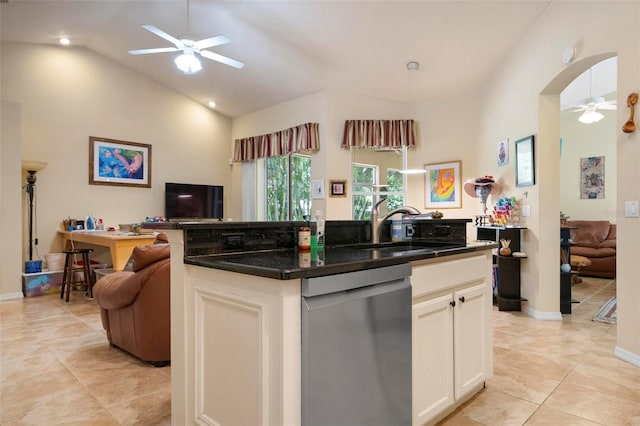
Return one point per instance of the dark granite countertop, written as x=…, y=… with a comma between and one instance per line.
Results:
x=287, y=264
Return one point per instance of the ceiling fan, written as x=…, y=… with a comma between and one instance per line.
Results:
x=188, y=62
x=590, y=106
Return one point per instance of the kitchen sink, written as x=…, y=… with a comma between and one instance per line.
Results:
x=404, y=248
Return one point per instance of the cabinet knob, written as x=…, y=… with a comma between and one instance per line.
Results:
x=461, y=299
x=453, y=303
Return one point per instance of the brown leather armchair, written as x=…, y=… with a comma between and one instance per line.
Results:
x=134, y=305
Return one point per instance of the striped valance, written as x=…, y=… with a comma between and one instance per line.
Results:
x=305, y=137
x=379, y=134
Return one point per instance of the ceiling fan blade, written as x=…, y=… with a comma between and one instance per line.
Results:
x=158, y=50
x=607, y=107
x=164, y=35
x=220, y=58
x=210, y=42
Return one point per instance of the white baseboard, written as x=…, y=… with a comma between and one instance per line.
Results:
x=625, y=355
x=547, y=316
x=11, y=296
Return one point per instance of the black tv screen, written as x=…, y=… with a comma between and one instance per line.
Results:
x=189, y=201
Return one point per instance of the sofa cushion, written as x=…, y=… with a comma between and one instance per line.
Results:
x=591, y=252
x=590, y=233
x=146, y=255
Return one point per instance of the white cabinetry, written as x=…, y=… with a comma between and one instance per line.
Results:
x=452, y=351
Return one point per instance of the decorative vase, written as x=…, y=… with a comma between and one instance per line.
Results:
x=565, y=267
x=505, y=250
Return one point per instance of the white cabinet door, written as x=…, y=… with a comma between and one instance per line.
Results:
x=432, y=349
x=470, y=318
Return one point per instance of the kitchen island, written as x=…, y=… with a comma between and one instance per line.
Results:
x=236, y=326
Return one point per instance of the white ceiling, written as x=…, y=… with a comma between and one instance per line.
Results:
x=291, y=49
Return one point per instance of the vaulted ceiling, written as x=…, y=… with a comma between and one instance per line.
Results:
x=291, y=49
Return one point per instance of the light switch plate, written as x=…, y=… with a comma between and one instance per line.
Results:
x=526, y=210
x=630, y=209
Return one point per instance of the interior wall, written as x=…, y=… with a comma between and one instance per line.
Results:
x=521, y=100
x=579, y=141
x=69, y=94
x=10, y=194
x=330, y=109
x=449, y=132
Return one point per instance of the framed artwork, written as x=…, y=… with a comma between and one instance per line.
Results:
x=317, y=189
x=525, y=162
x=592, y=178
x=338, y=188
x=119, y=163
x=443, y=189
x=503, y=152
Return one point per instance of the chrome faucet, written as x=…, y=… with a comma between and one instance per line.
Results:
x=376, y=221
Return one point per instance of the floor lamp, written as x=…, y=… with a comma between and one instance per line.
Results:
x=31, y=167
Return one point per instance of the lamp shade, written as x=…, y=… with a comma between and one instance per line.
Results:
x=33, y=165
x=188, y=63
x=590, y=116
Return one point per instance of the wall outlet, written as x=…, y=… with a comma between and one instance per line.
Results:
x=630, y=209
x=526, y=210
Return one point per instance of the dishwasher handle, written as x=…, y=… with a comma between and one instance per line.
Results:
x=324, y=300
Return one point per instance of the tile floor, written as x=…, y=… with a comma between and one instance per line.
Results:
x=557, y=372
x=56, y=367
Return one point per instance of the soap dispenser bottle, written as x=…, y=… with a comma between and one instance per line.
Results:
x=319, y=229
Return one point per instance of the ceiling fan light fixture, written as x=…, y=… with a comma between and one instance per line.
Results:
x=590, y=116
x=413, y=171
x=188, y=63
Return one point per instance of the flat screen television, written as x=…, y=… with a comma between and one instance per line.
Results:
x=189, y=201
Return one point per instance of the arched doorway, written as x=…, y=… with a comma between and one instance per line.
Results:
x=549, y=107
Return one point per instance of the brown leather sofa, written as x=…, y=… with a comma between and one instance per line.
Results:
x=595, y=240
x=134, y=305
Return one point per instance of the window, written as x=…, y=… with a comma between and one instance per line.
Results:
x=367, y=190
x=287, y=187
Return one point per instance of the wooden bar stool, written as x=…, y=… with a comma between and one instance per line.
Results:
x=69, y=268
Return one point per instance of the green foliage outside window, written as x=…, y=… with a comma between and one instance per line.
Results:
x=364, y=177
x=288, y=181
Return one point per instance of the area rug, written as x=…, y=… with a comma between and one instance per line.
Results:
x=607, y=313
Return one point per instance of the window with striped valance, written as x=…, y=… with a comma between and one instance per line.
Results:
x=378, y=134
x=305, y=137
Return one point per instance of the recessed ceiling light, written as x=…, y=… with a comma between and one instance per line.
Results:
x=65, y=41
x=212, y=104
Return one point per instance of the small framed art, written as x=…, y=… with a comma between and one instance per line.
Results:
x=338, y=188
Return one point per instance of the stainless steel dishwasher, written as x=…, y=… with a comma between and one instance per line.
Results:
x=356, y=348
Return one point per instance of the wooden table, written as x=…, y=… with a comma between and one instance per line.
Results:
x=120, y=244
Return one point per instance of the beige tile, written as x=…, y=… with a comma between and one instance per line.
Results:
x=622, y=382
x=152, y=408
x=496, y=408
x=595, y=406
x=529, y=386
x=68, y=405
x=23, y=367
x=547, y=417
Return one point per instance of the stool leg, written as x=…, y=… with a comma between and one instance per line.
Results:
x=69, y=277
x=87, y=274
x=64, y=277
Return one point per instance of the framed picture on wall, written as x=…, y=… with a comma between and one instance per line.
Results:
x=338, y=188
x=525, y=162
x=119, y=163
x=443, y=189
x=503, y=152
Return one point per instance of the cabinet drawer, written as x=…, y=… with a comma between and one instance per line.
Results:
x=431, y=277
